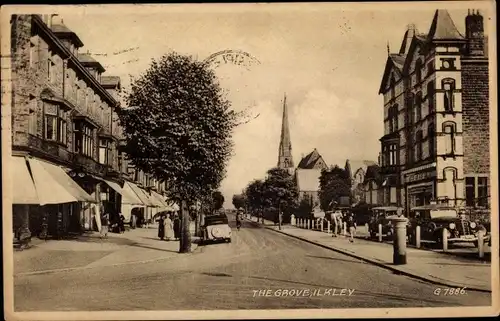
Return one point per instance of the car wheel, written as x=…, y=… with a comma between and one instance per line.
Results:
x=373, y=234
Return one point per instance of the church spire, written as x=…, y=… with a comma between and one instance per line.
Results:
x=285, y=160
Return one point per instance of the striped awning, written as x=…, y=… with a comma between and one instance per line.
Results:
x=23, y=187
x=54, y=186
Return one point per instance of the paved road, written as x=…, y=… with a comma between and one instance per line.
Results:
x=224, y=276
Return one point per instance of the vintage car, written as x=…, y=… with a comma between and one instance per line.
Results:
x=432, y=219
x=381, y=215
x=216, y=228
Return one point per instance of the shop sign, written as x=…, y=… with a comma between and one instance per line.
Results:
x=414, y=177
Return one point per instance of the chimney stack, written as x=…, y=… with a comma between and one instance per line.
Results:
x=474, y=31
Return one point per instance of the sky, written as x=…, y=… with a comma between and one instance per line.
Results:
x=329, y=61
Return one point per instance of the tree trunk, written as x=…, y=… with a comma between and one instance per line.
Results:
x=185, y=237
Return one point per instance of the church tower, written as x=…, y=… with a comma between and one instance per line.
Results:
x=285, y=160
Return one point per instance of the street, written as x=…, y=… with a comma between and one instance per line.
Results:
x=229, y=276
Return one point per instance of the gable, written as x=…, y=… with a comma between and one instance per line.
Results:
x=390, y=71
x=417, y=50
x=308, y=180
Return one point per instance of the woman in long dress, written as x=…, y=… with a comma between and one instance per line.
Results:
x=177, y=227
x=161, y=228
x=169, y=228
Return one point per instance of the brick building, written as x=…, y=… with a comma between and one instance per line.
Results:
x=436, y=116
x=66, y=133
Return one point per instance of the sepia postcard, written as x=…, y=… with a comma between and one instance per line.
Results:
x=250, y=161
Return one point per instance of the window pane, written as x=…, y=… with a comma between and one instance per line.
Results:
x=469, y=195
x=50, y=127
x=102, y=155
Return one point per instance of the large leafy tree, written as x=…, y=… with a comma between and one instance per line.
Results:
x=305, y=207
x=280, y=193
x=178, y=127
x=335, y=184
x=239, y=201
x=217, y=200
x=254, y=195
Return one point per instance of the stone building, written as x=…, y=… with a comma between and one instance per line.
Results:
x=435, y=146
x=65, y=132
x=357, y=171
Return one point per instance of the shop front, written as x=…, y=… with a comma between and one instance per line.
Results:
x=420, y=187
x=44, y=198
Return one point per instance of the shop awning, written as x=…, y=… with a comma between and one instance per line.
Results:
x=142, y=195
x=115, y=186
x=54, y=186
x=23, y=187
x=129, y=196
x=163, y=205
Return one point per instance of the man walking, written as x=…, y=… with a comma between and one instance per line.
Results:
x=351, y=225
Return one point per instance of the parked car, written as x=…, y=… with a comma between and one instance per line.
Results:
x=216, y=228
x=432, y=219
x=381, y=215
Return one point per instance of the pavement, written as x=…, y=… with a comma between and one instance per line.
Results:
x=429, y=266
x=139, y=245
x=259, y=269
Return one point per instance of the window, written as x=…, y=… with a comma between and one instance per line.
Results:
x=418, y=106
x=482, y=191
x=84, y=139
x=418, y=71
x=104, y=151
x=51, y=70
x=32, y=116
x=418, y=149
x=393, y=87
x=409, y=106
x=476, y=191
x=430, y=96
x=55, y=123
x=470, y=191
x=449, y=131
x=393, y=118
x=393, y=150
x=448, y=86
x=431, y=139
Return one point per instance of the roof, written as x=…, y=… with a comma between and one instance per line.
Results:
x=308, y=179
x=87, y=60
x=393, y=60
x=373, y=173
x=110, y=81
x=355, y=165
x=61, y=31
x=443, y=27
x=308, y=161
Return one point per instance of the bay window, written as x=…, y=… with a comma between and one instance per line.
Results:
x=55, y=123
x=393, y=150
x=84, y=139
x=104, y=151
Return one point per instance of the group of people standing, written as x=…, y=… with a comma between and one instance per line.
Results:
x=169, y=226
x=337, y=219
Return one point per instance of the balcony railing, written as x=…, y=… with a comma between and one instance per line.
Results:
x=59, y=153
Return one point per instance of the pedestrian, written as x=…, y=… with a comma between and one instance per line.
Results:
x=161, y=227
x=177, y=227
x=336, y=222
x=122, y=223
x=104, y=225
x=351, y=224
x=168, y=227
